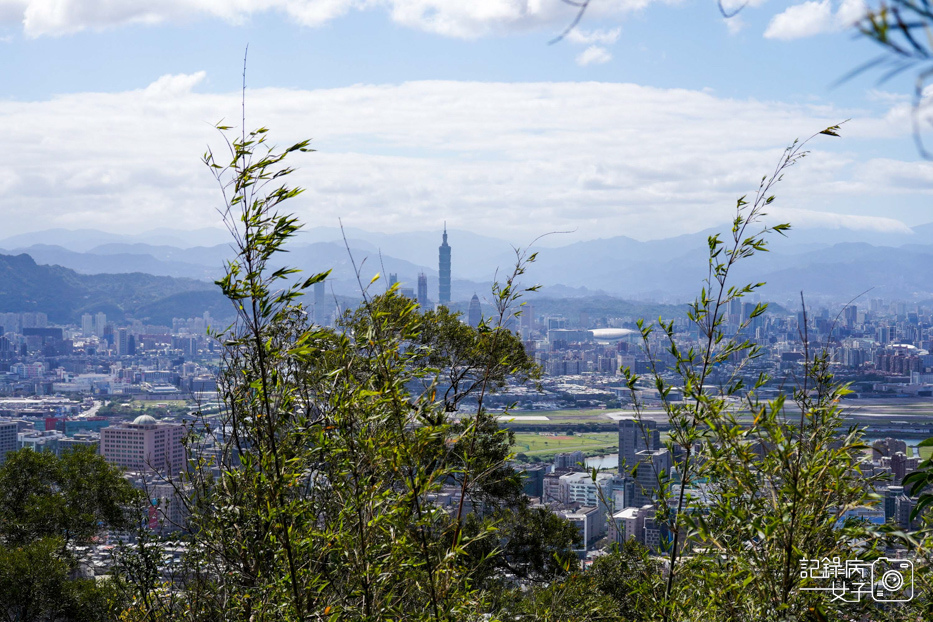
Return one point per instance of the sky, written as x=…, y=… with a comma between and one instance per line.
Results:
x=647, y=120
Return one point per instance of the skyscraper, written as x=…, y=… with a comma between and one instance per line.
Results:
x=423, y=290
x=636, y=436
x=8, y=438
x=528, y=318
x=652, y=464
x=87, y=324
x=320, y=298
x=443, y=269
x=475, y=315
x=123, y=342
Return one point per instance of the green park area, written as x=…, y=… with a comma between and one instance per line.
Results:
x=543, y=445
x=134, y=408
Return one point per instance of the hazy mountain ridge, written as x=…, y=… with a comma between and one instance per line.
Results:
x=827, y=264
x=64, y=295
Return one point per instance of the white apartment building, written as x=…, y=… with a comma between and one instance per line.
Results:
x=144, y=446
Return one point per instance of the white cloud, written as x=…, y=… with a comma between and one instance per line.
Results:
x=887, y=97
x=734, y=6
x=810, y=219
x=517, y=159
x=594, y=55
x=466, y=19
x=801, y=20
x=849, y=12
x=813, y=18
x=734, y=24
x=178, y=84
x=455, y=18
x=58, y=17
x=589, y=37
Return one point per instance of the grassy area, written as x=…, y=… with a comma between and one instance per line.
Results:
x=543, y=444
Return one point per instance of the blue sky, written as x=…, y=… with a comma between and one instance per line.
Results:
x=647, y=121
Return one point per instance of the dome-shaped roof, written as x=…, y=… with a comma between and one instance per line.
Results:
x=611, y=334
x=144, y=420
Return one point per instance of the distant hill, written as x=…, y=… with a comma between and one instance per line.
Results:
x=64, y=295
x=830, y=265
x=82, y=240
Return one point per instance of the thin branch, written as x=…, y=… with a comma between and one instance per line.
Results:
x=576, y=20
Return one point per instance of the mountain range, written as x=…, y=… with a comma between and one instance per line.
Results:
x=64, y=295
x=828, y=265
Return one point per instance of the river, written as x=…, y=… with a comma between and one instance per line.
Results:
x=610, y=461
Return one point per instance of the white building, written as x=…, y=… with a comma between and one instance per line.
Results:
x=144, y=445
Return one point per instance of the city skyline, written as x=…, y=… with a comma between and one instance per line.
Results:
x=456, y=309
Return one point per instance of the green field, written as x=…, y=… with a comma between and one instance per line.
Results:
x=543, y=444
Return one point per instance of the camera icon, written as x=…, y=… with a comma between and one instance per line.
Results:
x=892, y=580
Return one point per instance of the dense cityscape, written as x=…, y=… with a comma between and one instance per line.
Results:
x=466, y=311
x=130, y=392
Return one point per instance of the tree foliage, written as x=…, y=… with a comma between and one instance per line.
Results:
x=48, y=505
x=319, y=491
x=69, y=497
x=760, y=484
x=347, y=478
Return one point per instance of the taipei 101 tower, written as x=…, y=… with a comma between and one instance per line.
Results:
x=443, y=271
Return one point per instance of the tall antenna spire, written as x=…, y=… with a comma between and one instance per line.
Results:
x=443, y=271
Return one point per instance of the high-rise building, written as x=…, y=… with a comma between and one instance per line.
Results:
x=320, y=296
x=423, y=290
x=653, y=467
x=475, y=315
x=443, y=270
x=87, y=325
x=568, y=460
x=144, y=446
x=899, y=466
x=8, y=439
x=528, y=317
x=890, y=502
x=636, y=436
x=123, y=336
x=100, y=321
x=850, y=314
